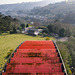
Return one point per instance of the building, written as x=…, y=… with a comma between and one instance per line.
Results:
x=33, y=31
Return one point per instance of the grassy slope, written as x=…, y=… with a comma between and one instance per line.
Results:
x=8, y=42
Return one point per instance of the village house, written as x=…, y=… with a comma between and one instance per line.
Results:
x=33, y=31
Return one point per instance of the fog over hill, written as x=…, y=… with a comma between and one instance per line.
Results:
x=6, y=8
x=63, y=11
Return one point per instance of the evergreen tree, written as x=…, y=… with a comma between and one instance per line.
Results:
x=62, y=32
x=22, y=25
x=50, y=28
x=27, y=25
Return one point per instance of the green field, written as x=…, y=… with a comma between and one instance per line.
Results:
x=8, y=42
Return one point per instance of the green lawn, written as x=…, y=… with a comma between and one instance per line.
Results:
x=8, y=42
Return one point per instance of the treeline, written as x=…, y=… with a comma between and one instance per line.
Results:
x=7, y=23
x=11, y=25
x=61, y=29
x=67, y=50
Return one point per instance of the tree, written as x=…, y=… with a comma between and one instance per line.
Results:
x=13, y=31
x=14, y=19
x=50, y=28
x=56, y=21
x=62, y=32
x=7, y=23
x=27, y=25
x=22, y=25
x=68, y=32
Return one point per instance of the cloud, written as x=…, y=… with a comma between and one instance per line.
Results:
x=19, y=1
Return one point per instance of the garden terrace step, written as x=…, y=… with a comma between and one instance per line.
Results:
x=43, y=42
x=35, y=58
x=36, y=47
x=60, y=73
x=33, y=68
x=37, y=44
x=33, y=54
x=35, y=50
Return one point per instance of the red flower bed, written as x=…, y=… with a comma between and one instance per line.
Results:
x=35, y=58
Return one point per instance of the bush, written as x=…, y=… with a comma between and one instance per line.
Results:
x=45, y=31
x=13, y=31
x=9, y=53
x=44, y=34
x=11, y=50
x=47, y=38
x=65, y=51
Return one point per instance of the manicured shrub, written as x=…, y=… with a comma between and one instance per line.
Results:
x=47, y=38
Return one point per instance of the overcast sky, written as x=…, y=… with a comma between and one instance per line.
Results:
x=20, y=1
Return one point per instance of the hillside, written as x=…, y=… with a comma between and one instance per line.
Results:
x=42, y=10
x=14, y=9
x=57, y=11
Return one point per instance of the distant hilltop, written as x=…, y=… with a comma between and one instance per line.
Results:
x=25, y=6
